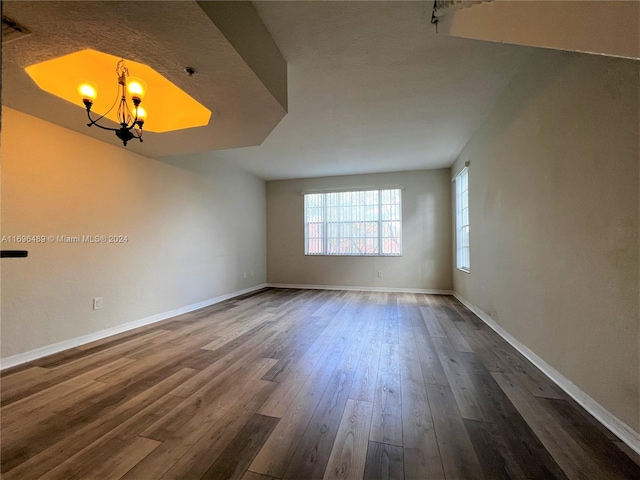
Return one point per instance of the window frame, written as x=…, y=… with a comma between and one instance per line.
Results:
x=463, y=262
x=324, y=224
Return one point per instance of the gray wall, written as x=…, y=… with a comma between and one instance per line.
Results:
x=191, y=236
x=554, y=221
x=426, y=243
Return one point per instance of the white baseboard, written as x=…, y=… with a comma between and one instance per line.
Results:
x=360, y=289
x=614, y=424
x=25, y=357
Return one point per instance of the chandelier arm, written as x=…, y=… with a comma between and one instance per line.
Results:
x=134, y=125
x=137, y=132
x=94, y=122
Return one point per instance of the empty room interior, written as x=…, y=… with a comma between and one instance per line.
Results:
x=305, y=240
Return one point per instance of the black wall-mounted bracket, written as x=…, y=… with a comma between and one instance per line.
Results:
x=13, y=253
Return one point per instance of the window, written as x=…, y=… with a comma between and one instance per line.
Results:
x=367, y=222
x=462, y=220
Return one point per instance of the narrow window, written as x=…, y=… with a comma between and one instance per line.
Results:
x=462, y=220
x=360, y=223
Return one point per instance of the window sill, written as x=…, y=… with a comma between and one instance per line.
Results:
x=464, y=270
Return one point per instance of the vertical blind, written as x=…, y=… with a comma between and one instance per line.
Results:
x=365, y=222
x=462, y=220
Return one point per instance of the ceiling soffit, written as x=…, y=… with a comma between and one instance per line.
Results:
x=247, y=100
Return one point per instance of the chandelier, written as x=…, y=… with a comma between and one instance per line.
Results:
x=131, y=118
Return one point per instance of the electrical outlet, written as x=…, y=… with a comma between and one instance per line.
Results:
x=380, y=274
x=244, y=275
x=97, y=303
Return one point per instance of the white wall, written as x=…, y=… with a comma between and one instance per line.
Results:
x=426, y=243
x=190, y=235
x=603, y=27
x=554, y=210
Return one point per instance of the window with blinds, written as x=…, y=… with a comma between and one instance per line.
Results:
x=367, y=222
x=462, y=220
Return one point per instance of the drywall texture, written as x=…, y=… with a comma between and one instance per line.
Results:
x=553, y=191
x=242, y=27
x=601, y=27
x=190, y=237
x=426, y=242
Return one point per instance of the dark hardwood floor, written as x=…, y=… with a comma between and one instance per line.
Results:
x=301, y=384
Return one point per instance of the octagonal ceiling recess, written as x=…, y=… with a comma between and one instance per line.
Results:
x=246, y=99
x=60, y=76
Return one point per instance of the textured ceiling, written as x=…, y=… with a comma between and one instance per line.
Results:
x=372, y=88
x=168, y=36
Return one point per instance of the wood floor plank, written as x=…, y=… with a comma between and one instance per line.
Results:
x=510, y=434
x=364, y=383
x=98, y=455
x=234, y=460
x=450, y=328
x=85, y=351
x=386, y=426
x=256, y=476
x=290, y=386
x=180, y=441
x=384, y=462
x=573, y=460
x=274, y=457
x=301, y=384
x=635, y=457
x=215, y=392
x=69, y=370
x=407, y=341
x=526, y=372
x=491, y=361
x=421, y=454
x=259, y=322
x=390, y=332
x=21, y=377
x=419, y=464
x=459, y=458
x=435, y=329
x=432, y=370
x=221, y=361
x=494, y=465
x=459, y=381
x=101, y=402
x=199, y=458
x=113, y=458
x=37, y=407
x=589, y=437
x=34, y=458
x=331, y=306
x=292, y=352
x=351, y=356
x=117, y=465
x=349, y=453
x=312, y=453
